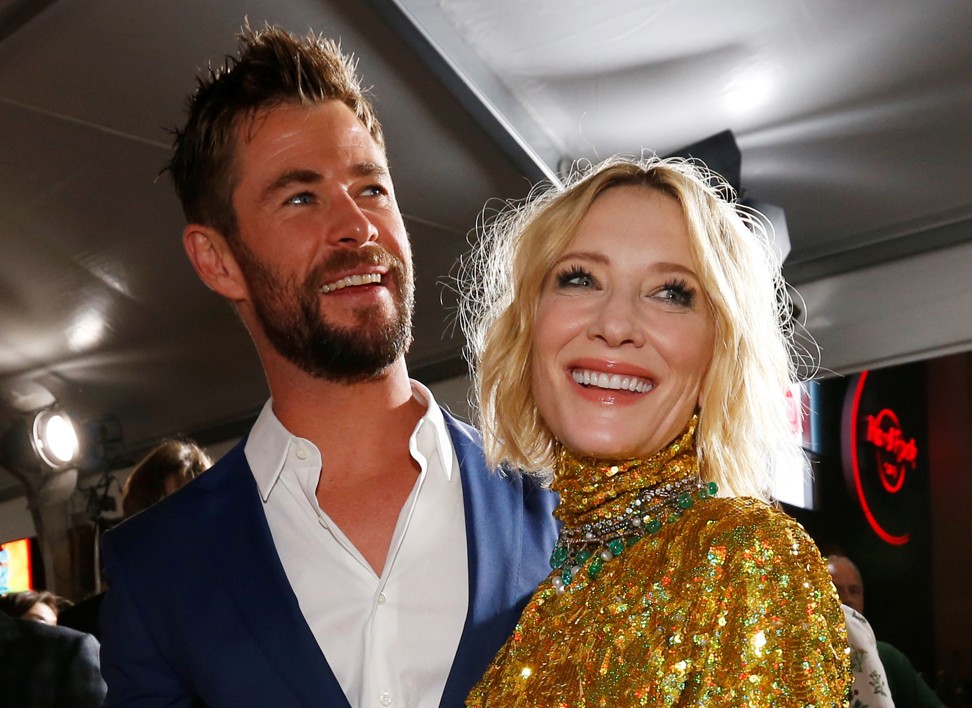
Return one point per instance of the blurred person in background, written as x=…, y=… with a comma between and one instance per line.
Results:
x=164, y=470
x=39, y=606
x=908, y=688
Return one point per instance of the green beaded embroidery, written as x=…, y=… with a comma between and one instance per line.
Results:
x=626, y=532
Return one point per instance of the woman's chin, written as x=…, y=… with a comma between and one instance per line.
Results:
x=610, y=444
x=603, y=449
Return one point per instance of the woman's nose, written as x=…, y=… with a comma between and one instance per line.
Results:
x=616, y=322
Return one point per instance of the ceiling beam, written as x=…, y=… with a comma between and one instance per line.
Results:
x=872, y=248
x=424, y=27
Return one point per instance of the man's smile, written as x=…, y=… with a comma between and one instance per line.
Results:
x=351, y=280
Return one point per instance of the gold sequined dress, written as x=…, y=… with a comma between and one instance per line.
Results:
x=728, y=603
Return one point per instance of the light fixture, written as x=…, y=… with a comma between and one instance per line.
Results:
x=55, y=438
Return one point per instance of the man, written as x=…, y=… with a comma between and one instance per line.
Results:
x=42, y=666
x=847, y=580
x=353, y=549
x=908, y=689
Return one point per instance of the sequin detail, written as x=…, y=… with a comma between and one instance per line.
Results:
x=730, y=606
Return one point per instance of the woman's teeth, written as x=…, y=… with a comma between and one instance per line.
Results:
x=365, y=279
x=615, y=382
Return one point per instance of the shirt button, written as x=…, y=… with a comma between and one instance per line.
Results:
x=301, y=453
x=385, y=698
x=381, y=601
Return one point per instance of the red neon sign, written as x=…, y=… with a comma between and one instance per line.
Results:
x=884, y=432
x=895, y=452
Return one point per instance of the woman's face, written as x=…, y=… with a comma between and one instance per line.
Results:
x=623, y=335
x=41, y=612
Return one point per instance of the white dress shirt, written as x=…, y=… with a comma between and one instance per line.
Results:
x=390, y=640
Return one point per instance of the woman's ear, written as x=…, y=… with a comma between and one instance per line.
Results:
x=214, y=262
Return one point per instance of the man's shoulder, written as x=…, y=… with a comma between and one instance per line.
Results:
x=461, y=431
x=468, y=443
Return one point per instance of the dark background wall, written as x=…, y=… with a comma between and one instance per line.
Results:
x=899, y=598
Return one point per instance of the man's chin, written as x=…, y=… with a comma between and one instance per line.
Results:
x=350, y=372
x=363, y=377
x=344, y=356
x=349, y=347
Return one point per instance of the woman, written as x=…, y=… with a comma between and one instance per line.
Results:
x=626, y=333
x=166, y=468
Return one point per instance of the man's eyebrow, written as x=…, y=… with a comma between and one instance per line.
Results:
x=288, y=179
x=302, y=176
x=370, y=169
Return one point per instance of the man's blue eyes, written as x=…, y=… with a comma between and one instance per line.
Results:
x=310, y=198
x=303, y=198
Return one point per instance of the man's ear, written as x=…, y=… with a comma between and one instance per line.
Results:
x=214, y=262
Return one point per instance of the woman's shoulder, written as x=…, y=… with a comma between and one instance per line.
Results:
x=737, y=524
x=721, y=514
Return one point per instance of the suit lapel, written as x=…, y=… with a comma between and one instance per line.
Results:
x=251, y=569
x=494, y=529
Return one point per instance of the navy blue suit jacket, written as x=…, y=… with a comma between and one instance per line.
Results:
x=199, y=610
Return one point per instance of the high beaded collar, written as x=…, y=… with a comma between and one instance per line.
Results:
x=592, y=489
x=608, y=506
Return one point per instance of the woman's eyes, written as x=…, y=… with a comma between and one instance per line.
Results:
x=675, y=292
x=575, y=277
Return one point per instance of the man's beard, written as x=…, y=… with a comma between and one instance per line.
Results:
x=290, y=314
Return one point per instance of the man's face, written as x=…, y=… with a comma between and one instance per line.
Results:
x=848, y=582
x=321, y=242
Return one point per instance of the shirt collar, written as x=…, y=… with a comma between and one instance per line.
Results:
x=266, y=449
x=269, y=441
x=434, y=419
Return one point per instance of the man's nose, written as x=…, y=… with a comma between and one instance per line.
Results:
x=349, y=225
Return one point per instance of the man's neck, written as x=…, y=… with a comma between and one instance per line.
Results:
x=362, y=420
x=363, y=432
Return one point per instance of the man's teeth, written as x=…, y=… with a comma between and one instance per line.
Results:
x=366, y=279
x=616, y=382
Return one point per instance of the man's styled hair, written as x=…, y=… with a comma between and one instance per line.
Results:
x=742, y=417
x=273, y=67
x=178, y=460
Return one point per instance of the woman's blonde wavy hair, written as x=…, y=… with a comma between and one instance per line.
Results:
x=742, y=410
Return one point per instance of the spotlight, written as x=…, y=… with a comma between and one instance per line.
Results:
x=55, y=439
